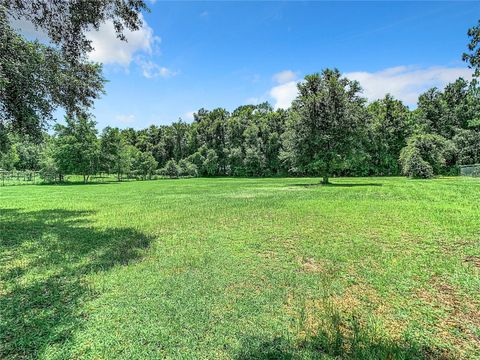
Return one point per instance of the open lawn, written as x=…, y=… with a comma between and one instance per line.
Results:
x=241, y=269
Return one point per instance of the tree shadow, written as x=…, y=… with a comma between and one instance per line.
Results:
x=323, y=346
x=337, y=185
x=45, y=257
x=340, y=336
x=78, y=183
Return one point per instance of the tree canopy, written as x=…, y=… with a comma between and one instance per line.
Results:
x=37, y=78
x=473, y=56
x=329, y=131
x=327, y=116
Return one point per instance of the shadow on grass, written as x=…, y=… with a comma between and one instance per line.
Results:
x=339, y=334
x=73, y=183
x=337, y=185
x=45, y=256
x=358, y=346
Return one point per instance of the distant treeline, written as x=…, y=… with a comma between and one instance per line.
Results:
x=330, y=130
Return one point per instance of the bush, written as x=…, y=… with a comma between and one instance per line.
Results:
x=468, y=145
x=171, y=169
x=210, y=164
x=49, y=170
x=426, y=155
x=415, y=167
x=144, y=165
x=187, y=168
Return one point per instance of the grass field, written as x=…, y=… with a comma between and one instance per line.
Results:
x=381, y=268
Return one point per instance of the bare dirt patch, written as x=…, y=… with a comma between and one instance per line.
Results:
x=310, y=265
x=472, y=259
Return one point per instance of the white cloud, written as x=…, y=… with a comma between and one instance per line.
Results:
x=108, y=49
x=406, y=82
x=285, y=76
x=125, y=119
x=188, y=116
x=152, y=70
x=284, y=94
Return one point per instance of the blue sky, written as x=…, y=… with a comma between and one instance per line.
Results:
x=190, y=55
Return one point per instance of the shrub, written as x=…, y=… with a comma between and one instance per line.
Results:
x=183, y=167
x=144, y=165
x=415, y=167
x=210, y=164
x=49, y=170
x=192, y=170
x=426, y=155
x=171, y=169
x=468, y=145
x=186, y=168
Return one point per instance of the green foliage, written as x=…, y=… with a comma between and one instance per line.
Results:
x=425, y=155
x=254, y=162
x=186, y=168
x=49, y=171
x=235, y=161
x=388, y=128
x=29, y=155
x=4, y=139
x=144, y=164
x=445, y=112
x=115, y=155
x=473, y=56
x=414, y=165
x=171, y=169
x=9, y=158
x=76, y=148
x=36, y=79
x=210, y=165
x=468, y=144
x=66, y=23
x=328, y=128
x=326, y=118
x=197, y=159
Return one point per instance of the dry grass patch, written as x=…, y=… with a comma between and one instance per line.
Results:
x=457, y=319
x=310, y=265
x=474, y=260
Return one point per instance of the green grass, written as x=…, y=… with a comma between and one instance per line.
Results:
x=241, y=269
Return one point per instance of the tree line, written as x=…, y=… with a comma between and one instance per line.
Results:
x=329, y=130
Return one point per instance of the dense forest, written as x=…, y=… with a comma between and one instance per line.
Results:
x=329, y=130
